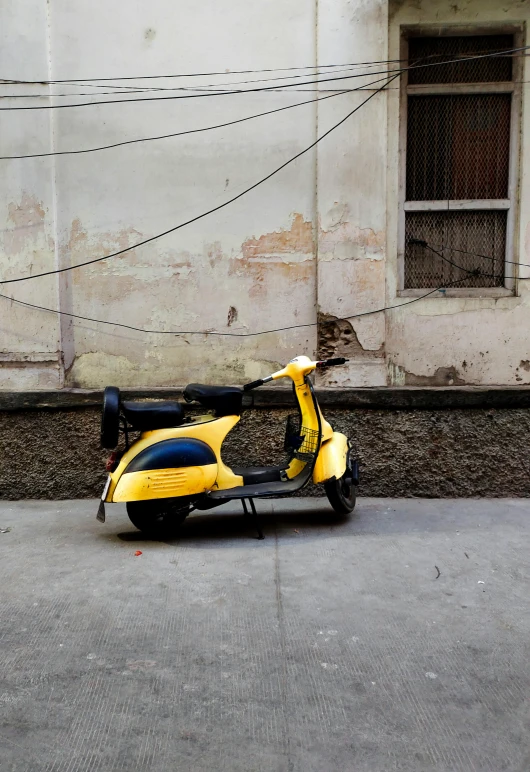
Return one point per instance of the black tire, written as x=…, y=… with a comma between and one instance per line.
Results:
x=110, y=418
x=158, y=518
x=342, y=493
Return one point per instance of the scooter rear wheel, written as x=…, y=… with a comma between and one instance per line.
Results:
x=342, y=493
x=158, y=518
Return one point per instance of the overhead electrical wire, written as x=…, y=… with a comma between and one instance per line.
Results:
x=208, y=86
x=475, y=272
x=230, y=334
x=429, y=245
x=210, y=211
x=201, y=94
x=425, y=245
x=178, y=133
x=235, y=334
x=372, y=63
x=253, y=90
x=197, y=74
x=149, y=89
x=167, y=136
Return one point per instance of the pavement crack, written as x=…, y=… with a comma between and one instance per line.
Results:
x=283, y=651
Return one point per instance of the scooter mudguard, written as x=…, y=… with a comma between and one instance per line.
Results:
x=169, y=468
x=331, y=460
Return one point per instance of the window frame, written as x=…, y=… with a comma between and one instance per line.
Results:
x=511, y=204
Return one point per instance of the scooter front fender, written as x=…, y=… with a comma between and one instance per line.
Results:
x=166, y=469
x=331, y=460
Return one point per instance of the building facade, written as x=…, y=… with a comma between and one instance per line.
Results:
x=420, y=199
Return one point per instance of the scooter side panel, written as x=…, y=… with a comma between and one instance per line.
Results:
x=211, y=431
x=165, y=483
x=331, y=461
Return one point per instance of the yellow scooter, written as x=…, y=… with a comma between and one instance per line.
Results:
x=175, y=467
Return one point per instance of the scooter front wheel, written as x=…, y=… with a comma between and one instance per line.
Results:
x=342, y=493
x=158, y=517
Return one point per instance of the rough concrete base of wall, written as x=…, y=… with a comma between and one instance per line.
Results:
x=55, y=454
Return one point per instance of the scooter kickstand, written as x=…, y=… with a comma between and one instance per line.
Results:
x=254, y=516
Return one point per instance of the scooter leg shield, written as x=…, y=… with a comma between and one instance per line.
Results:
x=167, y=469
x=165, y=483
x=331, y=461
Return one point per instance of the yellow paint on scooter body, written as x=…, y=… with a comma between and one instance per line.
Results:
x=218, y=476
x=192, y=481
x=331, y=460
x=165, y=483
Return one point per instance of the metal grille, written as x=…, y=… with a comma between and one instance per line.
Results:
x=309, y=447
x=458, y=146
x=494, y=69
x=300, y=442
x=477, y=232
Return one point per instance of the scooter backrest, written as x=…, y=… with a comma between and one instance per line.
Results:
x=110, y=417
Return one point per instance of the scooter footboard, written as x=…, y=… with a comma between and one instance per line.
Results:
x=331, y=460
x=167, y=469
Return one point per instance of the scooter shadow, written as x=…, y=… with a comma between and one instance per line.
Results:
x=225, y=527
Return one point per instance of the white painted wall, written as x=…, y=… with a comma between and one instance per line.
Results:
x=322, y=233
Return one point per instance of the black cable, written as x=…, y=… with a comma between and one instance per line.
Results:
x=210, y=211
x=199, y=95
x=203, y=87
x=176, y=134
x=477, y=272
x=476, y=254
x=252, y=90
x=229, y=334
x=425, y=245
x=277, y=90
x=197, y=74
x=86, y=81
x=147, y=89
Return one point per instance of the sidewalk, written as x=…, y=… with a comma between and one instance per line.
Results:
x=395, y=640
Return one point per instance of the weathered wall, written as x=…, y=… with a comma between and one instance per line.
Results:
x=320, y=237
x=249, y=267
x=449, y=453
x=351, y=185
x=450, y=340
x=30, y=342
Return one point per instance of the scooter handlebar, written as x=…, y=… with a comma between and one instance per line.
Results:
x=253, y=385
x=282, y=373
x=332, y=362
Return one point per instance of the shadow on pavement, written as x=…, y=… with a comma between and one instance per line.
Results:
x=230, y=526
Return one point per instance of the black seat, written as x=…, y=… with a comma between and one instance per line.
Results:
x=145, y=416
x=259, y=474
x=225, y=400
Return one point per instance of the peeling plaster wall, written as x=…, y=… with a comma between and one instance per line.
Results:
x=451, y=341
x=30, y=342
x=248, y=267
x=351, y=185
x=317, y=239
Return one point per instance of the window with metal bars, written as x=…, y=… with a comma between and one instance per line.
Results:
x=459, y=174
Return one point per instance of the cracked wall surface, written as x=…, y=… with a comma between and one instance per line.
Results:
x=457, y=340
x=316, y=243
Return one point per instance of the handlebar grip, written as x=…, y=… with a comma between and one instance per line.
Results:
x=253, y=385
x=332, y=362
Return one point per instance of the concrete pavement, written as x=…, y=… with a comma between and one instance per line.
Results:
x=395, y=640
